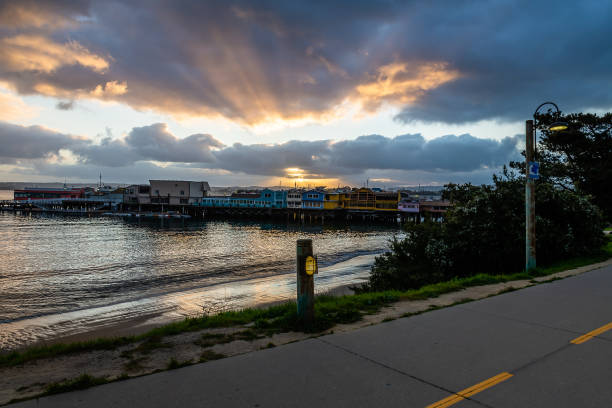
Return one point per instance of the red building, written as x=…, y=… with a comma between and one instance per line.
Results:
x=40, y=193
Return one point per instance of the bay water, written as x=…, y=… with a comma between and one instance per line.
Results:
x=62, y=275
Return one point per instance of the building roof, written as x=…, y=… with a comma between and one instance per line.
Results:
x=246, y=195
x=49, y=189
x=205, y=185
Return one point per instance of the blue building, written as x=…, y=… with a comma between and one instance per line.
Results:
x=313, y=199
x=263, y=199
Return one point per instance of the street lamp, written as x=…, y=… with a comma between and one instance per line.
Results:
x=532, y=173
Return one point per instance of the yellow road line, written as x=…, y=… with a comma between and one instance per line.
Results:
x=591, y=334
x=474, y=389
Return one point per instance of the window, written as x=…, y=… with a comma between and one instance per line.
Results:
x=182, y=192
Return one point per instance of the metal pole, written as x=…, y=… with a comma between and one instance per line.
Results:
x=530, y=233
x=305, y=283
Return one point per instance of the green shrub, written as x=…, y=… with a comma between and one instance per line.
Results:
x=484, y=233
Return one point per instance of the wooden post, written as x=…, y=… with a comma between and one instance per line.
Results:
x=305, y=284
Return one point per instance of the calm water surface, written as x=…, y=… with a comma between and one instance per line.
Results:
x=61, y=276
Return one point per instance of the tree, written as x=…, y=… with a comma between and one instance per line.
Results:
x=579, y=158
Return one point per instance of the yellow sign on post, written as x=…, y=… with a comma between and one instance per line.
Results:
x=311, y=265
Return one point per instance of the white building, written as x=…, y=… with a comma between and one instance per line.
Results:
x=176, y=192
x=294, y=198
x=137, y=194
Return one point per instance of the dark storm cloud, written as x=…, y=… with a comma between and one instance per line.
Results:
x=512, y=56
x=322, y=159
x=255, y=61
x=273, y=160
x=311, y=159
x=32, y=142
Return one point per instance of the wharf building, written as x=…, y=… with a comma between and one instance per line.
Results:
x=177, y=192
x=260, y=199
x=313, y=199
x=40, y=193
x=69, y=199
x=193, y=198
x=294, y=199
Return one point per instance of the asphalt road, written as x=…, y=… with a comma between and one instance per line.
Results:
x=512, y=350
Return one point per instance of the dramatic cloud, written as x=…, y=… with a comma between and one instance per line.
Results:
x=39, y=54
x=254, y=62
x=321, y=159
x=33, y=142
x=401, y=84
x=110, y=89
x=152, y=142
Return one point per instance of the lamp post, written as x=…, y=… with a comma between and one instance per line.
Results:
x=532, y=173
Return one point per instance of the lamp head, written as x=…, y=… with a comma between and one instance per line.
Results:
x=557, y=126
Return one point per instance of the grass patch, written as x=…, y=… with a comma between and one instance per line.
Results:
x=79, y=383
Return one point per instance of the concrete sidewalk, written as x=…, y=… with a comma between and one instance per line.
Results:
x=410, y=362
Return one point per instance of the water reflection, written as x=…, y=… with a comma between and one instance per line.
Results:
x=63, y=274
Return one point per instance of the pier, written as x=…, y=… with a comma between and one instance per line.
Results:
x=301, y=215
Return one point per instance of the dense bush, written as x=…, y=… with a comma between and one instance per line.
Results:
x=485, y=233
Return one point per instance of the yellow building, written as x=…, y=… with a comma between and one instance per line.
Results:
x=364, y=199
x=387, y=200
x=333, y=201
x=360, y=199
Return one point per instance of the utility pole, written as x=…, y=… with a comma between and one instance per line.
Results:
x=532, y=172
x=530, y=231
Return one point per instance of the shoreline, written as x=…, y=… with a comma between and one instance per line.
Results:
x=140, y=325
x=136, y=317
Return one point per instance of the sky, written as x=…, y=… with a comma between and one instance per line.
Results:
x=275, y=93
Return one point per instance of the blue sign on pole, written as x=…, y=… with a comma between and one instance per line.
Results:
x=534, y=170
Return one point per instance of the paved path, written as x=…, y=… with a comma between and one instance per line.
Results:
x=512, y=350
